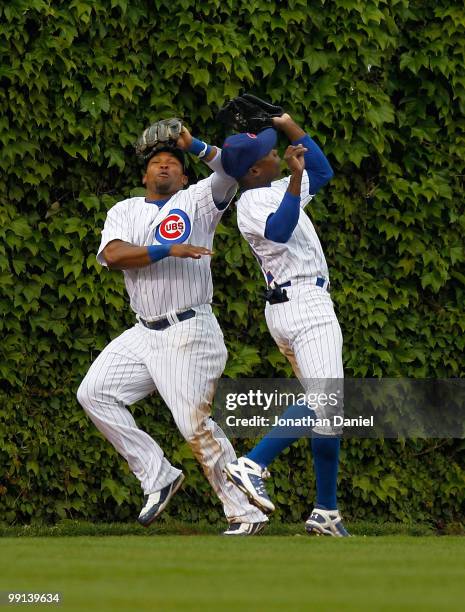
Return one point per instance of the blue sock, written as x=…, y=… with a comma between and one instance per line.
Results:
x=326, y=461
x=280, y=437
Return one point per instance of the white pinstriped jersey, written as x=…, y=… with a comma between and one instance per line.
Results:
x=183, y=362
x=171, y=284
x=302, y=255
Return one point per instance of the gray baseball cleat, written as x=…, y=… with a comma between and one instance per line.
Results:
x=244, y=529
x=326, y=523
x=155, y=503
x=248, y=476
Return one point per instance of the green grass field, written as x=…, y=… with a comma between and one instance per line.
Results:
x=264, y=573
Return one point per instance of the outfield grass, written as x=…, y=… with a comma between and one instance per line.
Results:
x=171, y=526
x=265, y=573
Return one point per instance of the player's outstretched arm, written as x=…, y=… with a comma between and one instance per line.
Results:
x=120, y=255
x=189, y=144
x=224, y=186
x=317, y=166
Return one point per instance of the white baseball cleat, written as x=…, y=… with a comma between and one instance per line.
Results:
x=244, y=529
x=248, y=476
x=155, y=503
x=326, y=523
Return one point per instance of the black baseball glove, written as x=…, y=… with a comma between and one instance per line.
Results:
x=160, y=134
x=248, y=113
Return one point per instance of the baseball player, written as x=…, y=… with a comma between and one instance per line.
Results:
x=299, y=311
x=163, y=243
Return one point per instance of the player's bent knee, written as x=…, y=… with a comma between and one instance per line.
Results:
x=200, y=437
x=191, y=435
x=193, y=432
x=83, y=396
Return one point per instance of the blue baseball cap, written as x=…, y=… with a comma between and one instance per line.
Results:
x=241, y=151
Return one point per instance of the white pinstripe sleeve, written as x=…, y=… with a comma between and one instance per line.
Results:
x=252, y=215
x=117, y=227
x=305, y=195
x=201, y=193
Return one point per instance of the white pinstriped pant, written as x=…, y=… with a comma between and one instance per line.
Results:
x=307, y=332
x=183, y=363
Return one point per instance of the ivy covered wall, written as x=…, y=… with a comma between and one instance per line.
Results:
x=381, y=86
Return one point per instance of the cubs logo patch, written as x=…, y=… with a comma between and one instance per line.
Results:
x=174, y=228
x=251, y=135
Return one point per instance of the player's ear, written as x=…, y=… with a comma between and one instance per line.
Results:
x=185, y=179
x=144, y=179
x=254, y=171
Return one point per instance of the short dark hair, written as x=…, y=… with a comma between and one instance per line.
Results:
x=177, y=153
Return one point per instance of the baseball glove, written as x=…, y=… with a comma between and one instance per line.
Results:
x=160, y=134
x=248, y=113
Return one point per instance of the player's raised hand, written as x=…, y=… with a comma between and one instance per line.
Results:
x=288, y=126
x=189, y=250
x=279, y=122
x=185, y=139
x=294, y=157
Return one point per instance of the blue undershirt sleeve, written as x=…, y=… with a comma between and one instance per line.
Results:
x=281, y=224
x=317, y=166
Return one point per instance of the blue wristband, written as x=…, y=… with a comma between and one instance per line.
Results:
x=158, y=251
x=199, y=148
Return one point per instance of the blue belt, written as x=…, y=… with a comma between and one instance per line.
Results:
x=162, y=324
x=320, y=282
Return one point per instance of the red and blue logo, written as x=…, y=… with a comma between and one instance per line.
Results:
x=174, y=229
